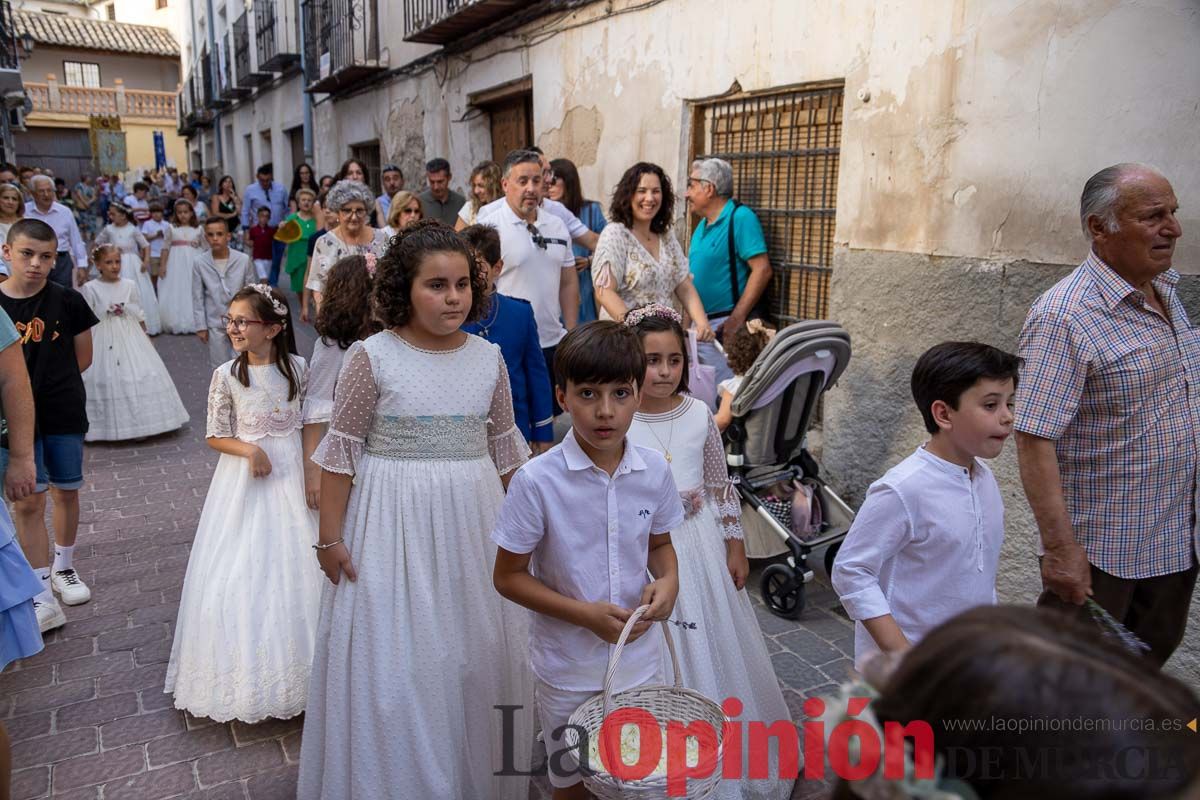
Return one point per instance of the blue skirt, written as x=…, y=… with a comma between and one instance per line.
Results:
x=20, y=636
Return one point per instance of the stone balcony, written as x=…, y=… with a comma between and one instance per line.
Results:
x=52, y=97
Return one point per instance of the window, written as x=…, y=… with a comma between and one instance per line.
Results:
x=784, y=146
x=110, y=12
x=82, y=73
x=368, y=154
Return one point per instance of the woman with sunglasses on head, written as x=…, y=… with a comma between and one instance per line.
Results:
x=564, y=186
x=352, y=202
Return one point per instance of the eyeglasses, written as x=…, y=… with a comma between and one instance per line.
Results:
x=690, y=181
x=240, y=323
x=551, y=179
x=353, y=212
x=542, y=241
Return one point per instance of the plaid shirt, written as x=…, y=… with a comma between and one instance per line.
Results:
x=1117, y=387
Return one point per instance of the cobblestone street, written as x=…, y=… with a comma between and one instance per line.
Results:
x=88, y=717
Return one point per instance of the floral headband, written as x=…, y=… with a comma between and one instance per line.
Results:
x=370, y=259
x=265, y=291
x=634, y=317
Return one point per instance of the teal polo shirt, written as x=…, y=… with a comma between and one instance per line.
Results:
x=708, y=257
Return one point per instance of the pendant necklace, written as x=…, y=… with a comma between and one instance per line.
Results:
x=670, y=434
x=484, y=327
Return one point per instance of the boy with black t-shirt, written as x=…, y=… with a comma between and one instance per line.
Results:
x=54, y=324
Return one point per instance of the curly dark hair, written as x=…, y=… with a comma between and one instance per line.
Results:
x=621, y=208
x=743, y=347
x=394, y=276
x=345, y=315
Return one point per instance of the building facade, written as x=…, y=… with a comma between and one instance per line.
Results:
x=917, y=167
x=79, y=68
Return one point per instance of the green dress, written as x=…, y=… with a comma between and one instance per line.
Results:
x=297, y=252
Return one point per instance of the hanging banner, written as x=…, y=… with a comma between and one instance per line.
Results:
x=108, y=144
x=160, y=151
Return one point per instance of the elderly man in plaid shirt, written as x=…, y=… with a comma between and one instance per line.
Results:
x=1108, y=416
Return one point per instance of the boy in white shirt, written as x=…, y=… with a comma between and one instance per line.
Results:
x=925, y=544
x=156, y=230
x=580, y=526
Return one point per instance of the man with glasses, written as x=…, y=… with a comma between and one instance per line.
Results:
x=393, y=181
x=728, y=255
x=539, y=265
x=218, y=275
x=580, y=234
x=439, y=201
x=266, y=192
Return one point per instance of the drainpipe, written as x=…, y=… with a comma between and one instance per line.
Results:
x=212, y=57
x=308, y=108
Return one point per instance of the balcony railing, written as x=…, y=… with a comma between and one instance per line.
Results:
x=10, y=63
x=210, y=90
x=341, y=39
x=245, y=75
x=443, y=21
x=277, y=31
x=51, y=97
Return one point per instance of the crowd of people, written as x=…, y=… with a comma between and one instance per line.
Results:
x=464, y=561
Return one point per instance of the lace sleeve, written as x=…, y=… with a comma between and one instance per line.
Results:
x=222, y=417
x=353, y=407
x=717, y=483
x=506, y=445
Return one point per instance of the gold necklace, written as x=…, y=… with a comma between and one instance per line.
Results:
x=670, y=434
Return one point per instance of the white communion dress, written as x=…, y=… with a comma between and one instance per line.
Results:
x=416, y=654
x=248, y=613
x=130, y=394
x=724, y=655
x=175, y=305
x=129, y=240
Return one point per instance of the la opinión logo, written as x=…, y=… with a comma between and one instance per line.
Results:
x=853, y=748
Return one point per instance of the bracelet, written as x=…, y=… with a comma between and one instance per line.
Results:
x=320, y=546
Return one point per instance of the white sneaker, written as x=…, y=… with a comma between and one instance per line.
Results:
x=49, y=614
x=70, y=587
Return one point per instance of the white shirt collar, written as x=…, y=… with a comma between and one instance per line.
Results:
x=949, y=467
x=576, y=459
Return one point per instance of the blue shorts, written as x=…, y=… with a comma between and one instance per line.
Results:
x=58, y=459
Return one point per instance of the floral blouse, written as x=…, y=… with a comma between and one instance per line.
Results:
x=624, y=265
x=330, y=248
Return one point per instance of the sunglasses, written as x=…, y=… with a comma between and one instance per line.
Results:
x=542, y=241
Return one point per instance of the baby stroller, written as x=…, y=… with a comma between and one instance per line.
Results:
x=765, y=449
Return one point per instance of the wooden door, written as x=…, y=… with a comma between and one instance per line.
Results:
x=65, y=151
x=511, y=124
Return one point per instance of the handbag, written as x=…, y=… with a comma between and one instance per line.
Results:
x=702, y=379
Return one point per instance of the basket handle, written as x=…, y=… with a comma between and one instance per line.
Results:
x=615, y=657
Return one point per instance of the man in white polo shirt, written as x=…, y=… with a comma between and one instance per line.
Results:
x=580, y=233
x=539, y=265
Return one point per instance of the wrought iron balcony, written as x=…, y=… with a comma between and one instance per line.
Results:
x=231, y=89
x=443, y=21
x=277, y=31
x=341, y=40
x=210, y=93
x=10, y=63
x=245, y=76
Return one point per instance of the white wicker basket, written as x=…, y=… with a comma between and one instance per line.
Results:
x=666, y=703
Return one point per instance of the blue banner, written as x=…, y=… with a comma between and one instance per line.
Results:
x=160, y=151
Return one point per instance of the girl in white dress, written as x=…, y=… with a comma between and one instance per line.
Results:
x=175, y=273
x=724, y=655
x=345, y=318
x=130, y=394
x=248, y=614
x=135, y=251
x=415, y=649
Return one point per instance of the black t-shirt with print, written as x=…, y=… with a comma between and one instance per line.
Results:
x=48, y=323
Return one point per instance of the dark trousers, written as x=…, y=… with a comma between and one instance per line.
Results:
x=64, y=267
x=277, y=251
x=1153, y=609
x=548, y=354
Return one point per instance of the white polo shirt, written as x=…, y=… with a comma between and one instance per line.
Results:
x=552, y=207
x=589, y=534
x=531, y=272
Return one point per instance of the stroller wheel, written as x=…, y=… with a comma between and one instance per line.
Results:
x=783, y=591
x=830, y=556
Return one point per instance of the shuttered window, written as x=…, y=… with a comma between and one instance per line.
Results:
x=784, y=147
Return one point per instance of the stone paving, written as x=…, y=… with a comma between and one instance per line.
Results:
x=88, y=717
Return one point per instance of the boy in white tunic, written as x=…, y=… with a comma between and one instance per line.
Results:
x=925, y=544
x=589, y=517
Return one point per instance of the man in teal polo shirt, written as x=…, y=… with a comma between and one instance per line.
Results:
x=729, y=294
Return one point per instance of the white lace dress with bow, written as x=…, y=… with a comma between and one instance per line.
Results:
x=248, y=614
x=724, y=655
x=416, y=654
